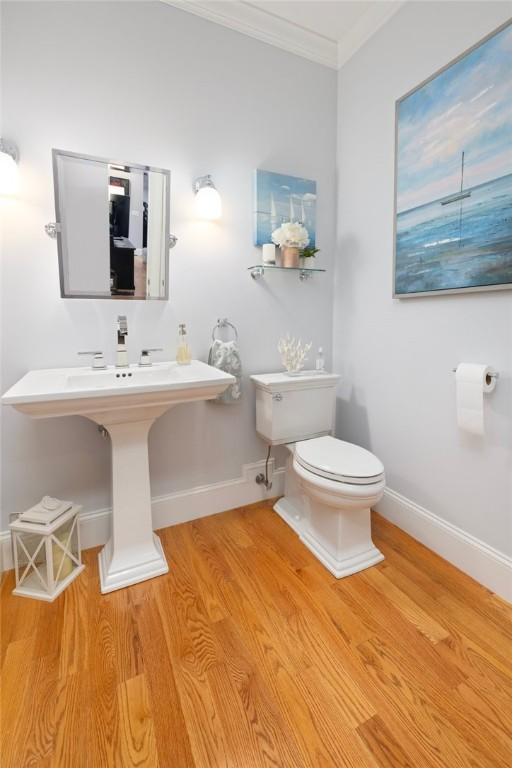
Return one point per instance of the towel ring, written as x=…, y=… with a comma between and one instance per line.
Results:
x=223, y=322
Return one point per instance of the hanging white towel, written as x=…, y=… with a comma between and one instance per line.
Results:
x=225, y=355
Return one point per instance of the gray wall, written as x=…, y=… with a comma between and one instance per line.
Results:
x=396, y=357
x=196, y=98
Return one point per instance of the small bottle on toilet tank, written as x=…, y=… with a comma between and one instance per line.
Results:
x=320, y=362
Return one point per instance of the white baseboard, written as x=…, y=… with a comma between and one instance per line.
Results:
x=483, y=563
x=175, y=508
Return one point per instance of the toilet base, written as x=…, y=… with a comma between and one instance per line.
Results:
x=290, y=513
x=344, y=562
x=342, y=566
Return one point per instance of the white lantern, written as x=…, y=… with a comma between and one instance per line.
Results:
x=46, y=557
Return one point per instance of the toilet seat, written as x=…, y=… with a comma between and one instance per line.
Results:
x=338, y=460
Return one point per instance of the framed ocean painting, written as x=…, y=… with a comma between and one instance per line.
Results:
x=280, y=198
x=453, y=176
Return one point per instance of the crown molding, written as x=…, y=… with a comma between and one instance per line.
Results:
x=266, y=26
x=253, y=21
x=371, y=21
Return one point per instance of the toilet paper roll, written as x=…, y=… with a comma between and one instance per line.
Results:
x=472, y=382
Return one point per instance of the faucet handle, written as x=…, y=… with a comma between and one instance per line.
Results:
x=145, y=358
x=98, y=361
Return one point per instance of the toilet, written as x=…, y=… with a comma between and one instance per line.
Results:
x=330, y=485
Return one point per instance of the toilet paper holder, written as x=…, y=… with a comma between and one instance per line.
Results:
x=491, y=374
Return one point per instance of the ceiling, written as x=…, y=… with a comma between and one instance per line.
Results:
x=326, y=31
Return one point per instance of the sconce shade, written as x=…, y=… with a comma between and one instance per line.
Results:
x=8, y=168
x=208, y=203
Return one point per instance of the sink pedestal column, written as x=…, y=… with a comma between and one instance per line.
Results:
x=133, y=553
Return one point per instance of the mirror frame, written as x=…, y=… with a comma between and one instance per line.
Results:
x=56, y=153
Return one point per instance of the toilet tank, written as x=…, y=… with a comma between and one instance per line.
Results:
x=292, y=408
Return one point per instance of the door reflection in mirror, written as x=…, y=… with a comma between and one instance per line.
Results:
x=114, y=228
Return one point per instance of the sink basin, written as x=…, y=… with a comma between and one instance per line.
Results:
x=84, y=391
x=126, y=402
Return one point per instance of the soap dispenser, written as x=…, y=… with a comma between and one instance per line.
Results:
x=183, y=353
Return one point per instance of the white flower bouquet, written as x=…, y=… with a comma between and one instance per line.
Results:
x=291, y=235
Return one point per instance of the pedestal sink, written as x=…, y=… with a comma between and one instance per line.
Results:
x=126, y=402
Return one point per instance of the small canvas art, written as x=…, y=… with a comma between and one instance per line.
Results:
x=453, y=196
x=281, y=198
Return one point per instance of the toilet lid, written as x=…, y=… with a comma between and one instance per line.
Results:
x=337, y=460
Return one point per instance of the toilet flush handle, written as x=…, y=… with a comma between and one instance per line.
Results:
x=277, y=397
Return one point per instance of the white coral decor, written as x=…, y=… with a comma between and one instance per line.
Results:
x=291, y=234
x=293, y=353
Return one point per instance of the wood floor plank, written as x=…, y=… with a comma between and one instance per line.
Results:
x=209, y=743
x=249, y=653
x=210, y=570
x=33, y=737
x=137, y=744
x=172, y=740
x=458, y=617
x=474, y=614
x=192, y=648
x=442, y=715
x=104, y=679
x=232, y=525
x=485, y=671
x=19, y=618
x=73, y=648
x=493, y=711
x=449, y=579
x=241, y=746
x=72, y=732
x=350, y=623
x=269, y=529
x=412, y=611
x=186, y=623
x=275, y=743
x=478, y=626
x=391, y=621
x=16, y=678
x=388, y=752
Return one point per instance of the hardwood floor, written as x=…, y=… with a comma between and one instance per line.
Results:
x=249, y=653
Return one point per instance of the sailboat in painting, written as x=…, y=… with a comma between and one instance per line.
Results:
x=458, y=195
x=274, y=219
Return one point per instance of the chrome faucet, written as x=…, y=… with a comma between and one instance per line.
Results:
x=122, y=333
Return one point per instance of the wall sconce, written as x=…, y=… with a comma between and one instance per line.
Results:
x=208, y=204
x=9, y=156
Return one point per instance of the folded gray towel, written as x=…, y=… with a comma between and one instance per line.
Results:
x=225, y=356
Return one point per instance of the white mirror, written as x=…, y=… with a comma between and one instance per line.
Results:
x=112, y=228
